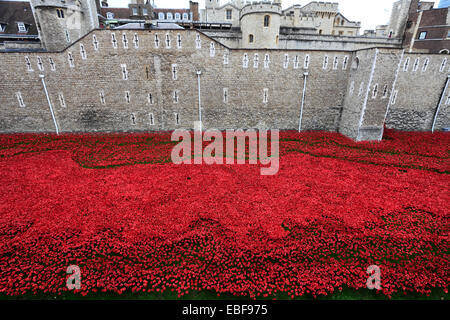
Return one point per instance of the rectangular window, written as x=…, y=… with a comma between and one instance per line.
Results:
x=150, y=98
x=114, y=40
x=306, y=64
x=21, y=26
x=133, y=119
x=177, y=118
x=145, y=11
x=20, y=99
x=151, y=119
x=385, y=91
x=156, y=41
x=52, y=64
x=125, y=41
x=375, y=91
x=256, y=61
x=296, y=62
x=176, y=96
x=335, y=63
x=179, y=41
x=212, y=49
x=425, y=65
x=226, y=57
x=286, y=61
x=229, y=14
x=406, y=65
x=95, y=42
x=266, y=95
x=136, y=41
x=67, y=36
x=325, y=63
x=394, y=97
x=71, y=60
x=416, y=64
x=423, y=35
x=225, y=95
x=127, y=96
x=198, y=42
x=124, y=72
x=167, y=41
x=443, y=64
x=345, y=63
x=266, y=61
x=62, y=102
x=245, y=61
x=102, y=97
x=40, y=64
x=28, y=63
x=135, y=11
x=174, y=72
x=83, y=52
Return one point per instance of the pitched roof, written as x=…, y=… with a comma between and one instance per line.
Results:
x=119, y=13
x=12, y=12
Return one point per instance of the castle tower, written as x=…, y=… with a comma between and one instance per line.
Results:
x=61, y=23
x=260, y=25
x=399, y=17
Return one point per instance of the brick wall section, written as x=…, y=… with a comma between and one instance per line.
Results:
x=328, y=104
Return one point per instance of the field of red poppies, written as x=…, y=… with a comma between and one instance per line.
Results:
x=132, y=221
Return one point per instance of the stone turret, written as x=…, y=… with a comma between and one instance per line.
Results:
x=260, y=25
x=61, y=23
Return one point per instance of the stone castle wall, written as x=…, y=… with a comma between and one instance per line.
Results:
x=97, y=87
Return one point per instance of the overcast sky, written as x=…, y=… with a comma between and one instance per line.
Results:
x=370, y=12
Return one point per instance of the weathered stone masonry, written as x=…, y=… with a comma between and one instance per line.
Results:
x=145, y=80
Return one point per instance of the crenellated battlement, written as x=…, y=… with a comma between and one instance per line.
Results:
x=261, y=7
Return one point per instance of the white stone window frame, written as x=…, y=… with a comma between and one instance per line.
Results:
x=226, y=57
x=161, y=16
x=335, y=63
x=52, y=64
x=245, y=60
x=114, y=40
x=123, y=66
x=174, y=71
x=176, y=96
x=325, y=62
x=127, y=97
x=443, y=65
x=83, y=52
x=345, y=63
x=21, y=27
x=71, y=60
x=361, y=89
x=375, y=91
x=225, y=95
x=102, y=96
x=177, y=118
x=426, y=63
x=352, y=88
x=20, y=99
x=198, y=41
x=212, y=49
x=150, y=99
x=394, y=97
x=67, y=36
x=95, y=42
x=136, y=41
x=296, y=61
x=185, y=16
x=169, y=16
x=28, y=64
x=266, y=61
x=406, y=64
x=266, y=95
x=40, y=63
x=157, y=41
x=62, y=101
x=168, y=41
x=416, y=65
x=256, y=61
x=125, y=40
x=307, y=62
x=151, y=118
x=286, y=61
x=179, y=41
x=177, y=16
x=385, y=91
